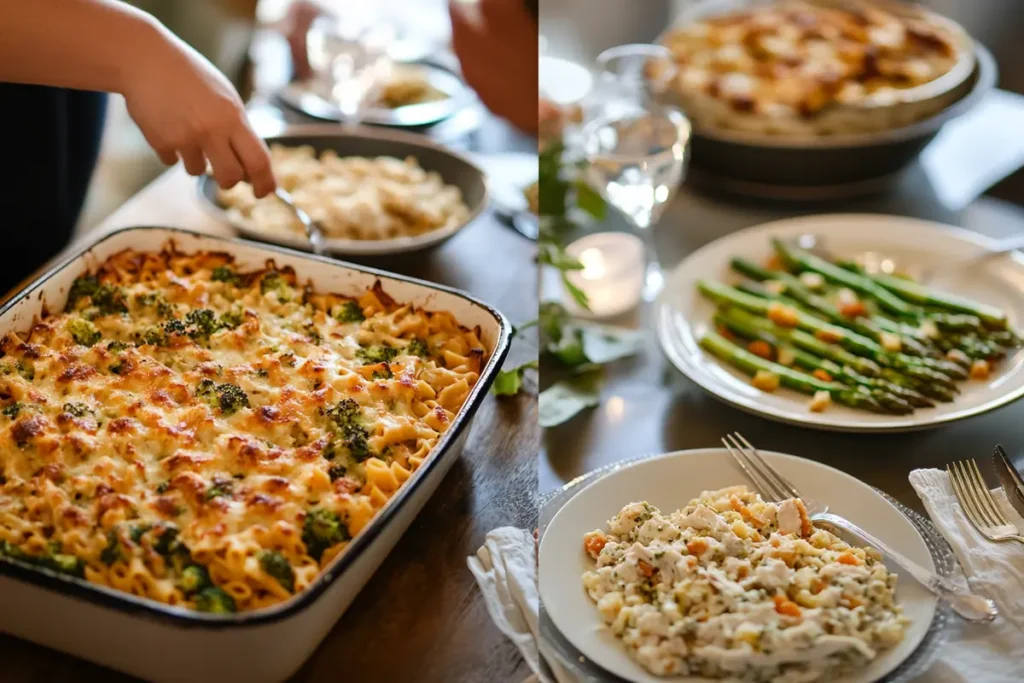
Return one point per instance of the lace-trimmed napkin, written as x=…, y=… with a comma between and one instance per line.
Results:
x=978, y=653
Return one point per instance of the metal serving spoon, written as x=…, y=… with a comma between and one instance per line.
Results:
x=313, y=232
x=875, y=262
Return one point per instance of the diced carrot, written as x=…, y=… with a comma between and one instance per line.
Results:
x=727, y=333
x=786, y=607
x=773, y=263
x=829, y=335
x=761, y=348
x=645, y=569
x=853, y=309
x=817, y=585
x=822, y=375
x=980, y=369
x=595, y=544
x=737, y=505
x=782, y=315
x=848, y=558
x=697, y=546
x=850, y=602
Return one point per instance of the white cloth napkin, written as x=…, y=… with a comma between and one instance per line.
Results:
x=978, y=653
x=505, y=568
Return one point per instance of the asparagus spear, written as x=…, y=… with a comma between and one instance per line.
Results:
x=719, y=346
x=923, y=296
x=798, y=259
x=939, y=370
x=894, y=398
x=934, y=391
x=801, y=296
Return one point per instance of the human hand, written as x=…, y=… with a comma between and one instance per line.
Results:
x=497, y=46
x=300, y=17
x=187, y=109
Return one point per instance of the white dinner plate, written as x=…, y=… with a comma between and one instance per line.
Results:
x=308, y=97
x=669, y=482
x=684, y=315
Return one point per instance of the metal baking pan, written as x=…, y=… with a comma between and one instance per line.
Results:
x=160, y=643
x=453, y=168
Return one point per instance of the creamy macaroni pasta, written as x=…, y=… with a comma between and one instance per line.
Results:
x=732, y=586
x=350, y=197
x=209, y=438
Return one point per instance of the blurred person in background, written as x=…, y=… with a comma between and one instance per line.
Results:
x=495, y=41
x=58, y=59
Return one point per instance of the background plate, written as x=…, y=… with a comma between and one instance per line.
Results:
x=668, y=482
x=683, y=315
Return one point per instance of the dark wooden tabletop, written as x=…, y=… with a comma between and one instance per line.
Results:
x=421, y=617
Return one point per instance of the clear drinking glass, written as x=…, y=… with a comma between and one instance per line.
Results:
x=349, y=54
x=636, y=148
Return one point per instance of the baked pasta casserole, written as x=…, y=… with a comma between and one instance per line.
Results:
x=355, y=198
x=775, y=67
x=210, y=438
x=733, y=587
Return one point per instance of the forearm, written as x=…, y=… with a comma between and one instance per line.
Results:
x=80, y=44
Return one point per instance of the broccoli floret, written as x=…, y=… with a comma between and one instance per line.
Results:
x=83, y=286
x=232, y=319
x=275, y=282
x=337, y=471
x=203, y=322
x=117, y=346
x=314, y=334
x=217, y=490
x=162, y=487
x=136, y=532
x=26, y=371
x=108, y=300
x=230, y=398
x=76, y=409
x=83, y=331
x=225, y=274
x=193, y=579
x=345, y=420
x=174, y=326
x=417, y=347
x=11, y=410
x=113, y=552
x=167, y=541
x=277, y=565
x=214, y=600
x=163, y=308
x=322, y=530
x=382, y=374
x=64, y=564
x=372, y=355
x=349, y=312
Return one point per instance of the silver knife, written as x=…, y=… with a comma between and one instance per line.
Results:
x=1009, y=479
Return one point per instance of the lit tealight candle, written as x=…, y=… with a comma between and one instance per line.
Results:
x=612, y=275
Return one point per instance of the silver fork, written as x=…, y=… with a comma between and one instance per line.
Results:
x=776, y=488
x=978, y=504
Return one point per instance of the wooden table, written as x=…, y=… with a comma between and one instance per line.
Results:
x=421, y=617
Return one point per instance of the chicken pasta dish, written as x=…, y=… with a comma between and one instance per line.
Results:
x=355, y=198
x=731, y=586
x=211, y=438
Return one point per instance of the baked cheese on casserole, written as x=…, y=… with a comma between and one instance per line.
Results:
x=732, y=586
x=211, y=438
x=778, y=67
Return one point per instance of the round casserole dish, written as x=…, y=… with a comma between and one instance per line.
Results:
x=722, y=104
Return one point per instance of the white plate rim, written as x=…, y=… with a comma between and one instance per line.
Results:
x=348, y=247
x=821, y=421
x=635, y=672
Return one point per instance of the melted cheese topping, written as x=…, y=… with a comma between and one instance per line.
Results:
x=212, y=439
x=732, y=586
x=796, y=58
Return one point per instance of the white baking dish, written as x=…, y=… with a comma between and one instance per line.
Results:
x=161, y=643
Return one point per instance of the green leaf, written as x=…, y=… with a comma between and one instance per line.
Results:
x=577, y=294
x=509, y=382
x=604, y=343
x=518, y=329
x=588, y=199
x=554, y=255
x=563, y=400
